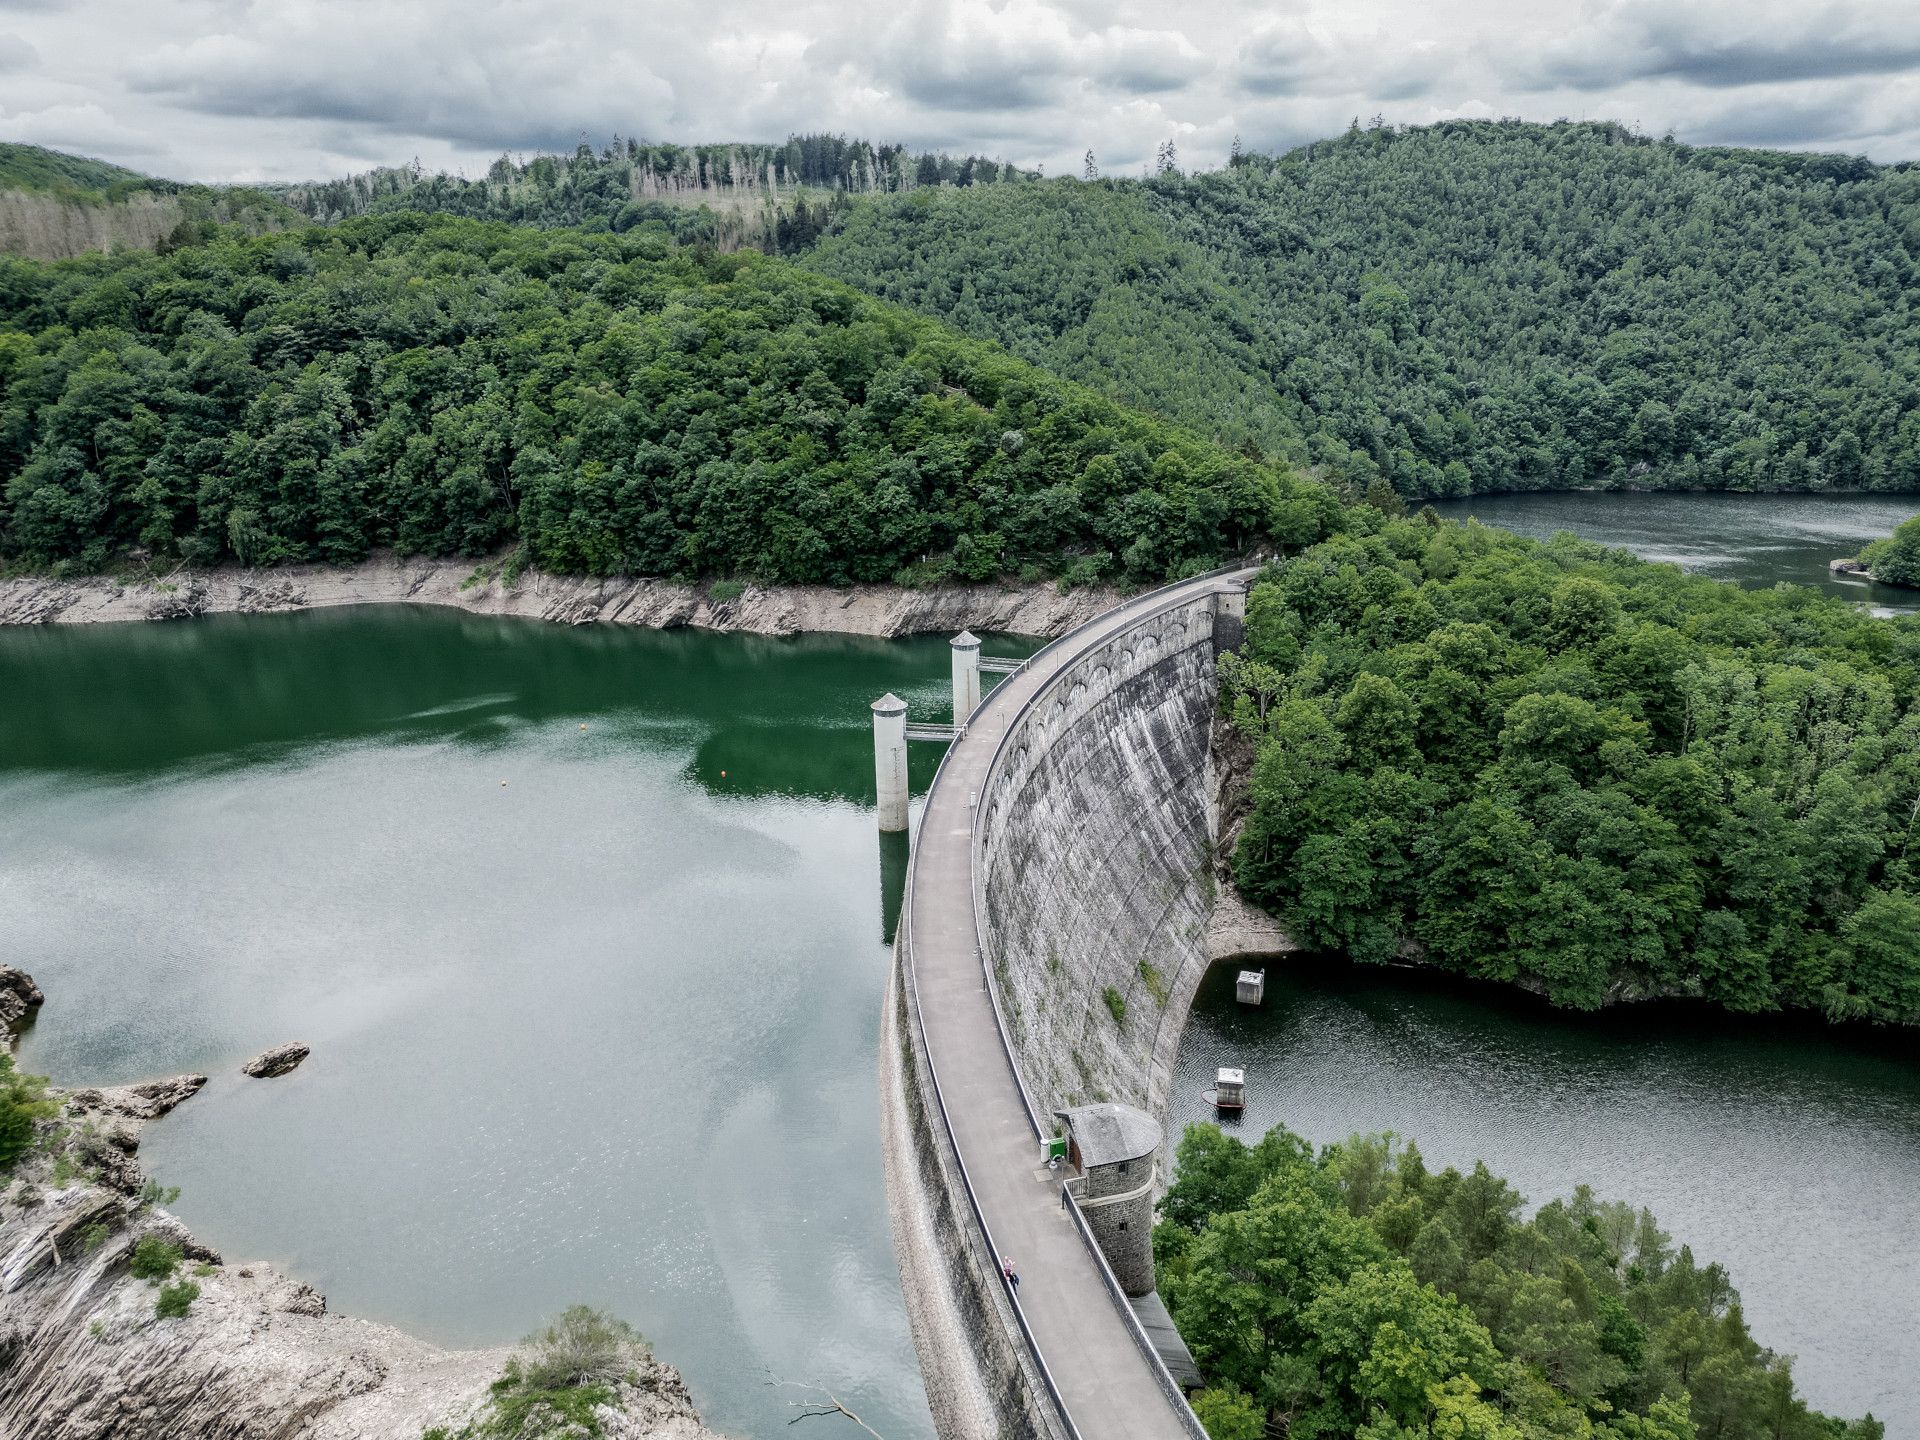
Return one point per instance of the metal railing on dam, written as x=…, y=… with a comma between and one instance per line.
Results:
x=1079, y=1364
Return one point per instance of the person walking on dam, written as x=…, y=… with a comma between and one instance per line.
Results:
x=1012, y=1275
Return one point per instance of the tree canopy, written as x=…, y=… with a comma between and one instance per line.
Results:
x=619, y=404
x=1557, y=766
x=1354, y=1292
x=1896, y=559
x=1470, y=306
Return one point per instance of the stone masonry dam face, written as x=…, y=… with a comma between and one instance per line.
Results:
x=1095, y=850
x=1067, y=850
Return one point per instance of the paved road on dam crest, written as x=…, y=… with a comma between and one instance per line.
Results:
x=1106, y=1384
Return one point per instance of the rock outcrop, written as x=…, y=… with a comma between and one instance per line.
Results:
x=1037, y=609
x=19, y=996
x=277, y=1061
x=85, y=1356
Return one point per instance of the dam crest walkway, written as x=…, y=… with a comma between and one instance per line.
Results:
x=1086, y=1344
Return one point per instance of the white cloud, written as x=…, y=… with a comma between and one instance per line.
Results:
x=240, y=89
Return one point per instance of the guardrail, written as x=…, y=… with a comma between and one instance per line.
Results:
x=1176, y=1398
x=1163, y=1378
x=1012, y=1295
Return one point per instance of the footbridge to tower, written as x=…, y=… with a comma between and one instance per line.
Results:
x=1052, y=936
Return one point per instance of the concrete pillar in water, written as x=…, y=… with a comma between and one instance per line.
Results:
x=890, y=760
x=966, y=676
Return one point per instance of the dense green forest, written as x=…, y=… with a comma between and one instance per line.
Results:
x=1470, y=306
x=617, y=403
x=1466, y=307
x=1557, y=766
x=1356, y=1293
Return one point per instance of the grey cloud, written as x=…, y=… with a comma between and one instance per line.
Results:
x=1774, y=120
x=1290, y=58
x=477, y=94
x=17, y=57
x=1148, y=62
x=1283, y=59
x=278, y=88
x=1725, y=46
x=966, y=88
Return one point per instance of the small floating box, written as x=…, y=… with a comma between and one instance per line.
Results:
x=1229, y=1089
x=1251, y=987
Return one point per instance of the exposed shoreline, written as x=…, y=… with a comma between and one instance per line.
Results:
x=881, y=610
x=257, y=1356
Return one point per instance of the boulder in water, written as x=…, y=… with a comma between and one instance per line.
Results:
x=277, y=1061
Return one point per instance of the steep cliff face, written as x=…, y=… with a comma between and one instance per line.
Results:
x=45, y=226
x=84, y=1355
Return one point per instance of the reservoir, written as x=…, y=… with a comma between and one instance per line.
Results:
x=595, y=1011
x=1753, y=540
x=606, y=1032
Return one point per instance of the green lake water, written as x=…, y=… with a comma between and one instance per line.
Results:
x=606, y=1032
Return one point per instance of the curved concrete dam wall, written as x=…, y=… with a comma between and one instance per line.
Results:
x=1094, y=853
x=1066, y=851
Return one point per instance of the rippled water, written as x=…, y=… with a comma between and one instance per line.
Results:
x=605, y=1032
x=1750, y=539
x=1789, y=1152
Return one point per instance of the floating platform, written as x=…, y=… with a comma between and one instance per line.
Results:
x=1251, y=987
x=1229, y=1089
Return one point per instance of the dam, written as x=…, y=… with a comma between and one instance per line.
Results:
x=1053, y=934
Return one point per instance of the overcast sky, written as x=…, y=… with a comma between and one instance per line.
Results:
x=290, y=89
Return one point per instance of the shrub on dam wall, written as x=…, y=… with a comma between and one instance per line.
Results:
x=1555, y=765
x=1353, y=1292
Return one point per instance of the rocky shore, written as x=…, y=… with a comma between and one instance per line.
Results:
x=256, y=1355
x=1036, y=609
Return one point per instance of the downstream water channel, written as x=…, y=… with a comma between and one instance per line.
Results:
x=1786, y=1150
x=604, y=1032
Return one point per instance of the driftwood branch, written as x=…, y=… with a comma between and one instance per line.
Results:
x=831, y=1404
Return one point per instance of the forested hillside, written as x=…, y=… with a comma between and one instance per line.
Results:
x=29, y=167
x=54, y=206
x=1357, y=1293
x=1472, y=306
x=777, y=198
x=1556, y=766
x=445, y=386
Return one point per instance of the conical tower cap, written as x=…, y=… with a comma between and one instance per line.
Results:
x=966, y=640
x=889, y=704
